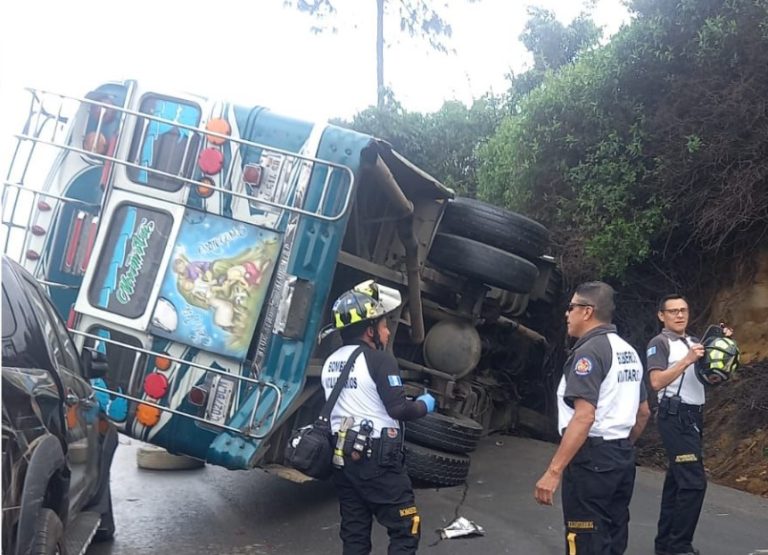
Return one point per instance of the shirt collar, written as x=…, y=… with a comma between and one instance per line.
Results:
x=672, y=336
x=602, y=329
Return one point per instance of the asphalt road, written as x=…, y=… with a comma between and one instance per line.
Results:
x=215, y=511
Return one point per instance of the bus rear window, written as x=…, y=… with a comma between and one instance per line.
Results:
x=163, y=146
x=130, y=260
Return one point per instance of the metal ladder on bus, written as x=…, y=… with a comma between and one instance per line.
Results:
x=260, y=410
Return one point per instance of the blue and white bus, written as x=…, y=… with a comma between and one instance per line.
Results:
x=194, y=246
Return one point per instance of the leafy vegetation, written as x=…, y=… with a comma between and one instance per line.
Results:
x=649, y=148
x=646, y=157
x=443, y=143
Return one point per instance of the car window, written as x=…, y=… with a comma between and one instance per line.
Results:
x=60, y=343
x=71, y=357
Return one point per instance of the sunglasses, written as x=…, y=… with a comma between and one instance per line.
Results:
x=571, y=306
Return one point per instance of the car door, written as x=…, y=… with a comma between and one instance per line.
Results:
x=80, y=404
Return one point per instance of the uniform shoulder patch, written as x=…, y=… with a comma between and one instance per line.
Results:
x=651, y=351
x=583, y=366
x=394, y=381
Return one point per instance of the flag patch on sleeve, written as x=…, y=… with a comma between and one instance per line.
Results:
x=651, y=351
x=394, y=381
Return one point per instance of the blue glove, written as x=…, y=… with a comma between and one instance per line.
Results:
x=428, y=400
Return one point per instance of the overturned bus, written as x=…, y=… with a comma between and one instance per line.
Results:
x=194, y=247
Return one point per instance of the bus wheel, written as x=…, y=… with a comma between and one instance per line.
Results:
x=483, y=263
x=435, y=467
x=451, y=434
x=495, y=226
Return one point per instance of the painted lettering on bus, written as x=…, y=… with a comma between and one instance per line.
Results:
x=126, y=285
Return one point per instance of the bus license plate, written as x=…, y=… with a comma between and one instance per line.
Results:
x=218, y=407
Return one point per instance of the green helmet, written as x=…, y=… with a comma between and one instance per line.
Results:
x=366, y=301
x=720, y=360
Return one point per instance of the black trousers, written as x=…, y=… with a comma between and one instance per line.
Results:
x=686, y=482
x=367, y=489
x=597, y=489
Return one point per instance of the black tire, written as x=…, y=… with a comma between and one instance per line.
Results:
x=448, y=433
x=435, y=467
x=49, y=534
x=483, y=263
x=495, y=226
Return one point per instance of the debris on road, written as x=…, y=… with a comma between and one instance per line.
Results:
x=461, y=527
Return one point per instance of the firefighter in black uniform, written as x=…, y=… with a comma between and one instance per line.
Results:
x=370, y=478
x=672, y=356
x=602, y=409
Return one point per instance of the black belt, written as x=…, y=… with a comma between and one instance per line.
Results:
x=374, y=444
x=595, y=441
x=352, y=434
x=686, y=406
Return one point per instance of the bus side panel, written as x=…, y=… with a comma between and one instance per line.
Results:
x=313, y=258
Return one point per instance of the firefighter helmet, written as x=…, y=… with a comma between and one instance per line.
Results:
x=720, y=360
x=366, y=301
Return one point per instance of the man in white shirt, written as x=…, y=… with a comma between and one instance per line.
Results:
x=602, y=409
x=672, y=356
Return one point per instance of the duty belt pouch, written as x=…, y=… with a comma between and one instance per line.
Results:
x=349, y=442
x=390, y=447
x=310, y=449
x=673, y=406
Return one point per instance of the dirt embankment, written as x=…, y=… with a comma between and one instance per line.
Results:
x=735, y=433
x=736, y=440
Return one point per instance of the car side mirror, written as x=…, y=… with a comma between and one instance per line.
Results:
x=94, y=363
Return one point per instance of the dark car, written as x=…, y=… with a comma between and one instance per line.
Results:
x=57, y=444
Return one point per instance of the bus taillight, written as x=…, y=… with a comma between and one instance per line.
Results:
x=156, y=385
x=162, y=363
x=197, y=396
x=220, y=126
x=203, y=191
x=89, y=243
x=74, y=240
x=210, y=161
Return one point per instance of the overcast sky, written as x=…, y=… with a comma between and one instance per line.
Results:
x=258, y=52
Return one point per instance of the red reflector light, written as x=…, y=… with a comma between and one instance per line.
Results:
x=197, y=396
x=74, y=240
x=89, y=244
x=43, y=206
x=156, y=385
x=38, y=230
x=32, y=255
x=211, y=160
x=71, y=317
